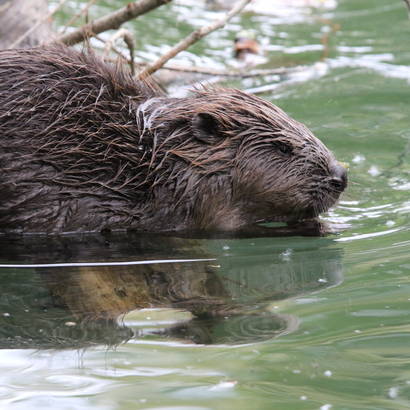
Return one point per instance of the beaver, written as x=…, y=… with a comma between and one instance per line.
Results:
x=86, y=147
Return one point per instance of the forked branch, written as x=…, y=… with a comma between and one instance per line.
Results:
x=192, y=38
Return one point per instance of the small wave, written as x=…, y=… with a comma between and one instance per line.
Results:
x=93, y=264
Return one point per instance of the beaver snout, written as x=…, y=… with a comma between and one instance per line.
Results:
x=338, y=177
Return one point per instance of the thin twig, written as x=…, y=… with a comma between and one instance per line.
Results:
x=113, y=48
x=212, y=71
x=192, y=38
x=129, y=41
x=77, y=15
x=226, y=73
x=407, y=3
x=333, y=28
x=35, y=26
x=111, y=21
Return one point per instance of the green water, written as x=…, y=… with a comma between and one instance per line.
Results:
x=310, y=322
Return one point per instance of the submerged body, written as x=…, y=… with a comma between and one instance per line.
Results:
x=84, y=147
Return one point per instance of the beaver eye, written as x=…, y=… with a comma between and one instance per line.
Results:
x=283, y=148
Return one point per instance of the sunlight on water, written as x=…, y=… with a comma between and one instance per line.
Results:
x=150, y=322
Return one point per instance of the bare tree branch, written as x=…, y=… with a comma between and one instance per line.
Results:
x=407, y=3
x=192, y=38
x=35, y=26
x=227, y=73
x=84, y=10
x=111, y=21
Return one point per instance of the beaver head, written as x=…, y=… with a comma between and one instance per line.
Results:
x=87, y=147
x=235, y=160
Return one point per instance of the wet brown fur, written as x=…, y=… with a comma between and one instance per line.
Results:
x=85, y=147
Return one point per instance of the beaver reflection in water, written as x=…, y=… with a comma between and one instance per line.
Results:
x=86, y=147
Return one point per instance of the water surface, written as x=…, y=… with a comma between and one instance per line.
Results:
x=286, y=323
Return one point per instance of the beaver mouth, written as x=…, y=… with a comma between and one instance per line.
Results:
x=293, y=216
x=307, y=204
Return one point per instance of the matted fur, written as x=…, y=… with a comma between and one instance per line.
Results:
x=85, y=147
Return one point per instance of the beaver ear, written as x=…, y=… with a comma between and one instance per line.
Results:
x=205, y=128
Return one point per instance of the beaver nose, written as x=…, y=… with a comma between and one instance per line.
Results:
x=338, y=177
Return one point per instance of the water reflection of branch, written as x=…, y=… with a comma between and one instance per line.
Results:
x=401, y=160
x=332, y=29
x=193, y=38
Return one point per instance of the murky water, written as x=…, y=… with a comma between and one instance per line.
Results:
x=284, y=323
